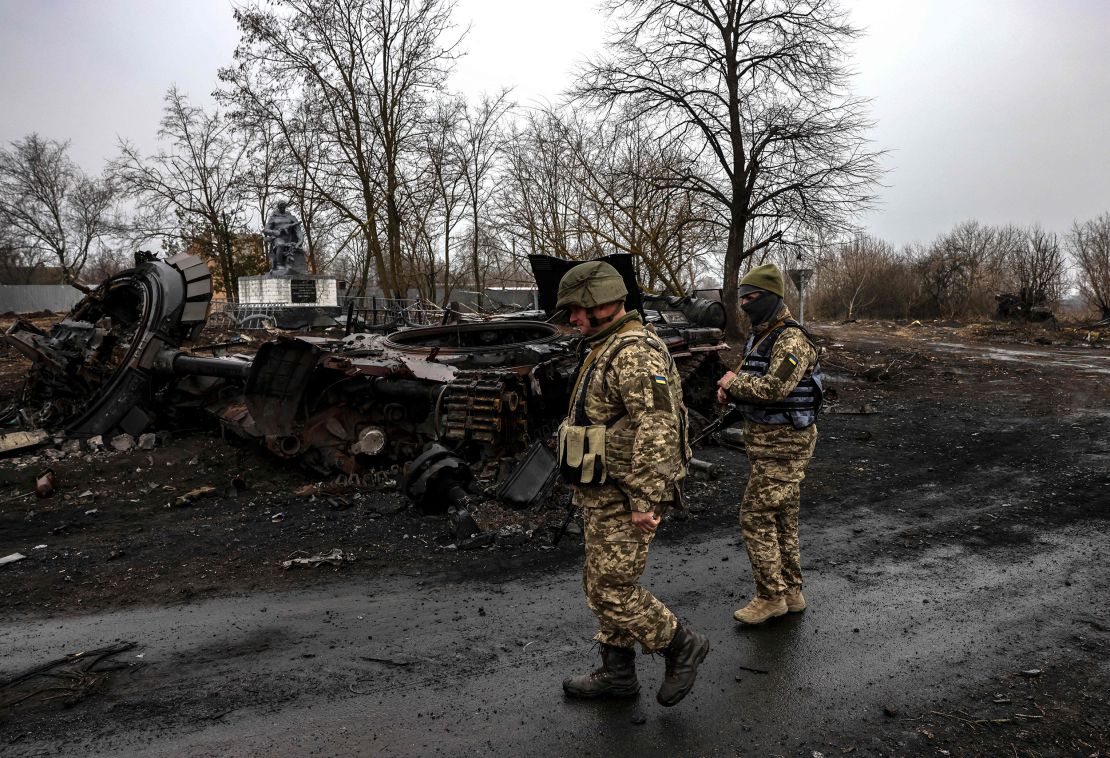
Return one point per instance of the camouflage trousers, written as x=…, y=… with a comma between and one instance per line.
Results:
x=772, y=503
x=616, y=554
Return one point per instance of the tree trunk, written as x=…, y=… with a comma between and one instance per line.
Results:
x=734, y=256
x=226, y=258
x=474, y=254
x=393, y=240
x=447, y=255
x=374, y=253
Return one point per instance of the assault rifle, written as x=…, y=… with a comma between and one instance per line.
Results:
x=731, y=415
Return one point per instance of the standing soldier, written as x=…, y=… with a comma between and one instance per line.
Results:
x=623, y=448
x=778, y=389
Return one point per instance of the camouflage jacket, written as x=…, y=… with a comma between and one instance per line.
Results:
x=636, y=393
x=783, y=374
x=792, y=357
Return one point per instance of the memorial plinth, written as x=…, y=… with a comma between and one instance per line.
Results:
x=291, y=301
x=292, y=290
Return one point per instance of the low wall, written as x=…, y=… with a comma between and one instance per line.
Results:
x=28, y=298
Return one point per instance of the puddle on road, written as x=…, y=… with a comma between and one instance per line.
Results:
x=1098, y=364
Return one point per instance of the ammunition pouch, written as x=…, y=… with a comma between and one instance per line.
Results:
x=581, y=454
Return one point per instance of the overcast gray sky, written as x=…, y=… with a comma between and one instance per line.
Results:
x=993, y=110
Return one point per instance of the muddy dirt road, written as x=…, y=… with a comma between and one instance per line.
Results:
x=954, y=533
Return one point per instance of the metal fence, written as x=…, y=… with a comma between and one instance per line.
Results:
x=376, y=313
x=245, y=315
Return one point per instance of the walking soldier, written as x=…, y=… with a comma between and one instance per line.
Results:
x=623, y=448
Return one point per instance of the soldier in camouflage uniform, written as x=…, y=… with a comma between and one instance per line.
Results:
x=778, y=387
x=623, y=447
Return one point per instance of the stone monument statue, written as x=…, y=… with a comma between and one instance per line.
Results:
x=287, y=292
x=285, y=239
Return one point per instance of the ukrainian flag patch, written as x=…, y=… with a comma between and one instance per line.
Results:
x=786, y=368
x=660, y=393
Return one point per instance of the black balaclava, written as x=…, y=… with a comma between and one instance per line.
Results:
x=763, y=308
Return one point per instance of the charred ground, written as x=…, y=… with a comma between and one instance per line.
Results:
x=941, y=438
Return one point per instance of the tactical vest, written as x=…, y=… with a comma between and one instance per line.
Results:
x=601, y=453
x=800, y=407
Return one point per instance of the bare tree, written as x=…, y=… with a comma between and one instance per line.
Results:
x=964, y=268
x=353, y=77
x=420, y=232
x=1089, y=244
x=478, y=148
x=617, y=201
x=446, y=180
x=18, y=263
x=540, y=201
x=755, y=91
x=49, y=206
x=850, y=273
x=578, y=187
x=629, y=209
x=108, y=261
x=261, y=175
x=191, y=191
x=1038, y=269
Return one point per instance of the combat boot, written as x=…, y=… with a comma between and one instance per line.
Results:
x=685, y=653
x=615, y=678
x=760, y=609
x=795, y=601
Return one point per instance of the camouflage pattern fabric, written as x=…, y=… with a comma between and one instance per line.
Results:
x=636, y=393
x=616, y=553
x=772, y=502
x=783, y=374
x=638, y=385
x=778, y=455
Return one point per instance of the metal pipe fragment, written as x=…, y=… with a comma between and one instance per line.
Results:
x=226, y=368
x=704, y=468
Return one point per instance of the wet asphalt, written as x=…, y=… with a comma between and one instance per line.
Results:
x=412, y=664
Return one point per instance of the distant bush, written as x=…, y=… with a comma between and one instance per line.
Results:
x=864, y=277
x=957, y=276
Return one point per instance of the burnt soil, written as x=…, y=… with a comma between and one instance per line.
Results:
x=978, y=439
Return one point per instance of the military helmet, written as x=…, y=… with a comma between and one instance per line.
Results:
x=590, y=284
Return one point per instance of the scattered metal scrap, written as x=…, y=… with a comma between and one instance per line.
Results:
x=194, y=495
x=875, y=372
x=44, y=484
x=14, y=442
x=334, y=558
x=20, y=496
x=105, y=365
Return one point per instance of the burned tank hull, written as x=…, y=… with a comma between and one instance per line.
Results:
x=486, y=392
x=102, y=368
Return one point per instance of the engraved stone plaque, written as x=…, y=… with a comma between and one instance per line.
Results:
x=303, y=290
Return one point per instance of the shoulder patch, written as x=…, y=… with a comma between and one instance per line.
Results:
x=786, y=368
x=660, y=393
